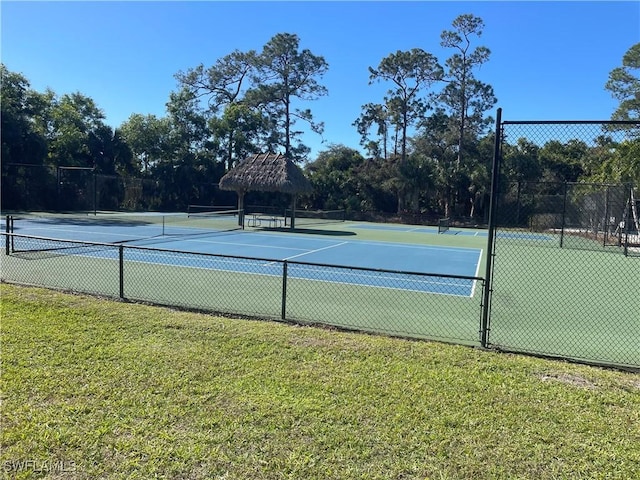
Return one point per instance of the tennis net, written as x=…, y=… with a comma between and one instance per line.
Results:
x=315, y=217
x=193, y=209
x=443, y=225
x=117, y=228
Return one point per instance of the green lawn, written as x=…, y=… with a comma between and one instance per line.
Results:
x=94, y=388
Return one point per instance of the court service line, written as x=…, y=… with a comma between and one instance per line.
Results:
x=316, y=250
x=307, y=253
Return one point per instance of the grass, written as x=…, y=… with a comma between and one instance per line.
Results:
x=115, y=390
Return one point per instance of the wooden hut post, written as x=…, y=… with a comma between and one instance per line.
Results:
x=293, y=210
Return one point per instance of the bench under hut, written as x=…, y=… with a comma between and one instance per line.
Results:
x=266, y=172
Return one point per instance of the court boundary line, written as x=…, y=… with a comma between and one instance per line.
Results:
x=477, y=274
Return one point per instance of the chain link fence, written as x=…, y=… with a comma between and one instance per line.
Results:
x=417, y=305
x=566, y=255
x=562, y=280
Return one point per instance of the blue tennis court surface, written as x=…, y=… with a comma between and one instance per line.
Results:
x=307, y=248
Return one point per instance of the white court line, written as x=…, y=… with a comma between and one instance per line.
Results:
x=76, y=230
x=308, y=252
x=316, y=250
x=473, y=287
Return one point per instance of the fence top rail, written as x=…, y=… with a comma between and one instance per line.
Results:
x=571, y=122
x=239, y=257
x=583, y=184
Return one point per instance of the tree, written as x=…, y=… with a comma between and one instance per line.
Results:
x=240, y=128
x=621, y=165
x=464, y=96
x=334, y=175
x=237, y=133
x=25, y=177
x=148, y=137
x=436, y=140
x=223, y=83
x=374, y=114
x=188, y=168
x=563, y=162
x=20, y=106
x=111, y=154
x=410, y=72
x=521, y=162
x=624, y=85
x=285, y=73
x=73, y=118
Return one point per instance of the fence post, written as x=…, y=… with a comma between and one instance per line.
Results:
x=7, y=228
x=605, y=221
x=518, y=204
x=564, y=214
x=493, y=200
x=284, y=290
x=121, y=263
x=627, y=221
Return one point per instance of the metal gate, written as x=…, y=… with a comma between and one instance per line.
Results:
x=564, y=270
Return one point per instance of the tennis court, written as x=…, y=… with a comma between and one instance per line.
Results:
x=463, y=232
x=394, y=279
x=220, y=234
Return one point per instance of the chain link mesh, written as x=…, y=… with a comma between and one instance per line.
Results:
x=446, y=308
x=565, y=270
x=566, y=273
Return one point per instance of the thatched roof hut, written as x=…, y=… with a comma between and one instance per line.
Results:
x=266, y=172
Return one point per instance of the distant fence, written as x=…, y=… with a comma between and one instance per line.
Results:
x=30, y=187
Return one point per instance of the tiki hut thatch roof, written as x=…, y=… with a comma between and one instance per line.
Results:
x=266, y=172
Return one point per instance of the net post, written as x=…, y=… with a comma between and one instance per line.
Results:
x=95, y=194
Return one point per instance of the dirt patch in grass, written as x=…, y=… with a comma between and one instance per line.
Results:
x=568, y=379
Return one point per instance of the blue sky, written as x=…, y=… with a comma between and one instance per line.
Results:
x=549, y=60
